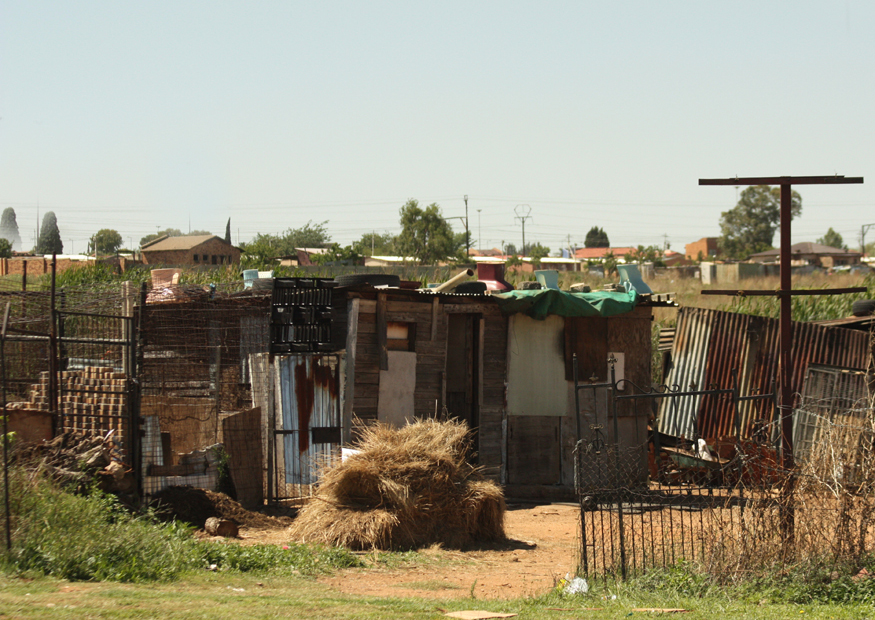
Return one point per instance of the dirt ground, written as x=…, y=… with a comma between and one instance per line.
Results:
x=541, y=548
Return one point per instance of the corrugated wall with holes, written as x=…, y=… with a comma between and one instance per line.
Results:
x=710, y=344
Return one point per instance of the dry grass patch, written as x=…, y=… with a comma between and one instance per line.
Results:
x=406, y=488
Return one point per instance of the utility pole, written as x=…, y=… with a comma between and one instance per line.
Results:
x=522, y=214
x=664, y=242
x=479, y=232
x=863, y=230
x=467, y=236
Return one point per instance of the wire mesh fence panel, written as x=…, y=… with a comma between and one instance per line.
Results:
x=731, y=512
x=94, y=379
x=68, y=355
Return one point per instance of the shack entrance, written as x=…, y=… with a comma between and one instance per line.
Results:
x=463, y=370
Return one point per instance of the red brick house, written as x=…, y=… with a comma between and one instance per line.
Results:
x=190, y=250
x=706, y=246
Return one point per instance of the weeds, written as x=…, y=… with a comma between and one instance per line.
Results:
x=292, y=558
x=94, y=538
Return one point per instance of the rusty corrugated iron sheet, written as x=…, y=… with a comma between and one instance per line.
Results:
x=309, y=404
x=709, y=344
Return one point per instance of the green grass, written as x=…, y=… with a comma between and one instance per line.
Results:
x=233, y=596
x=93, y=538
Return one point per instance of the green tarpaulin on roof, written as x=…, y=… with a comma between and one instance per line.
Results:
x=541, y=302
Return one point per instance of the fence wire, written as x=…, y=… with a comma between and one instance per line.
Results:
x=737, y=514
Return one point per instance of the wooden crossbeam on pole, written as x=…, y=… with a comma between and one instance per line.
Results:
x=785, y=294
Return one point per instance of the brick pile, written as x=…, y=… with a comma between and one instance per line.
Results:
x=94, y=398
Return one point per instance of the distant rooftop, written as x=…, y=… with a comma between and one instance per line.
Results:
x=185, y=242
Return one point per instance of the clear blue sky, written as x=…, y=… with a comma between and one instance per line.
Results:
x=138, y=115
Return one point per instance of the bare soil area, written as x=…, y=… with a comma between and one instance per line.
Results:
x=542, y=547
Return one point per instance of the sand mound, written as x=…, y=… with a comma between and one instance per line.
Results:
x=407, y=488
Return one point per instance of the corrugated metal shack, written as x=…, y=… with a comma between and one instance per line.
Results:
x=392, y=354
x=709, y=344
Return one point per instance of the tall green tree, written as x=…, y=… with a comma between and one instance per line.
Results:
x=833, y=240
x=49, y=241
x=9, y=228
x=5, y=248
x=228, y=231
x=596, y=238
x=750, y=226
x=426, y=235
x=375, y=244
x=105, y=241
x=266, y=247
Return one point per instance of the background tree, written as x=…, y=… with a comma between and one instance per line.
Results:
x=375, y=244
x=5, y=248
x=228, y=231
x=510, y=249
x=649, y=254
x=49, y=241
x=750, y=226
x=536, y=252
x=337, y=255
x=833, y=240
x=610, y=262
x=170, y=232
x=426, y=235
x=596, y=238
x=105, y=241
x=265, y=247
x=9, y=228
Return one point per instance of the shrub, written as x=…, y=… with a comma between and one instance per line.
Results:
x=92, y=538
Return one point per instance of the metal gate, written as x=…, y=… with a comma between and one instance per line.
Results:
x=687, y=503
x=97, y=375
x=306, y=422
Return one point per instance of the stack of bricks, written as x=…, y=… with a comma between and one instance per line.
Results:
x=94, y=398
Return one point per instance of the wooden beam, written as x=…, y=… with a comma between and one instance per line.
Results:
x=435, y=309
x=780, y=293
x=468, y=308
x=382, y=336
x=352, y=335
x=825, y=180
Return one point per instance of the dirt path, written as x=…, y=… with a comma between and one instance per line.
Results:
x=542, y=548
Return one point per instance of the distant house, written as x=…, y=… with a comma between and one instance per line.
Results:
x=706, y=246
x=190, y=250
x=600, y=253
x=494, y=252
x=808, y=253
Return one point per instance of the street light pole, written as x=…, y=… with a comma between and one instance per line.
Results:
x=479, y=232
x=467, y=236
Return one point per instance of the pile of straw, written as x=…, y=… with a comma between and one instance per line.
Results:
x=406, y=488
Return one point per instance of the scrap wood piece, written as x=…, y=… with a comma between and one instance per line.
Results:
x=477, y=614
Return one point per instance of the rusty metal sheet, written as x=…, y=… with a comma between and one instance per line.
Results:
x=309, y=398
x=710, y=344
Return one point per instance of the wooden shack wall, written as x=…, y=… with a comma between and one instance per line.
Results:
x=493, y=394
x=431, y=354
